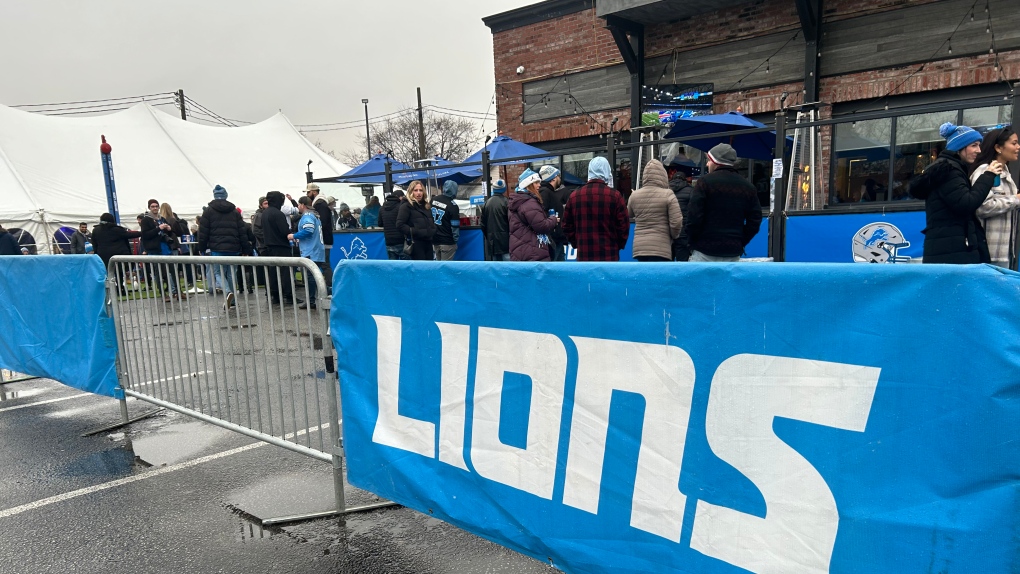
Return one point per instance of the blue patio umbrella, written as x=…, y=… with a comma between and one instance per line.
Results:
x=375, y=165
x=753, y=146
x=503, y=149
x=437, y=173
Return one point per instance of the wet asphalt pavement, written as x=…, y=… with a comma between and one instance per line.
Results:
x=170, y=494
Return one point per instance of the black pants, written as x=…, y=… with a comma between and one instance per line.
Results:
x=651, y=258
x=275, y=289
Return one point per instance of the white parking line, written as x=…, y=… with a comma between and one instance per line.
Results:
x=25, y=406
x=146, y=475
x=122, y=481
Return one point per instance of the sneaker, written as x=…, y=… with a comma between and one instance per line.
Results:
x=230, y=299
x=304, y=305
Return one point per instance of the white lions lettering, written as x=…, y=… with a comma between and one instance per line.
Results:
x=747, y=392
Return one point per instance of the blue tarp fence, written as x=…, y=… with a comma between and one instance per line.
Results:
x=53, y=321
x=710, y=418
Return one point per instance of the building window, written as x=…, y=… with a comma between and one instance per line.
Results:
x=863, y=151
x=861, y=161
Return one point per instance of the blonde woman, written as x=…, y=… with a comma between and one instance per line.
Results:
x=999, y=212
x=415, y=222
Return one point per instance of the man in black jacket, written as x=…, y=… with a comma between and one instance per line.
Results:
x=682, y=189
x=388, y=219
x=109, y=239
x=321, y=206
x=275, y=228
x=724, y=214
x=222, y=231
x=496, y=224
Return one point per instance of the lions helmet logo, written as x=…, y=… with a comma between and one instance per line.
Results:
x=879, y=243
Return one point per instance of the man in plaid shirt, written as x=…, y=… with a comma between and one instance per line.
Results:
x=595, y=217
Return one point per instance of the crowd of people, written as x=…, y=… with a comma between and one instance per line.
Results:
x=971, y=204
x=712, y=220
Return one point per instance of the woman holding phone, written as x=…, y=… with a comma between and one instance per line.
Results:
x=999, y=212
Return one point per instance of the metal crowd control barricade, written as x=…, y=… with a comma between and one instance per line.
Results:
x=251, y=358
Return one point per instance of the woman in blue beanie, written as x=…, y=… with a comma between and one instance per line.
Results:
x=953, y=233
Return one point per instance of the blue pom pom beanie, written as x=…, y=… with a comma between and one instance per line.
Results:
x=958, y=137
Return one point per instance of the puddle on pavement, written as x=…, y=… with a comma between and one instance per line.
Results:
x=285, y=495
x=108, y=463
x=175, y=443
x=249, y=528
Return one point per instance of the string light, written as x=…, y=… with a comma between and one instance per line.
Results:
x=768, y=66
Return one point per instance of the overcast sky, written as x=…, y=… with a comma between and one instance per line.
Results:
x=247, y=59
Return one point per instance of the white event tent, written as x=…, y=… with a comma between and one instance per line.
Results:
x=51, y=173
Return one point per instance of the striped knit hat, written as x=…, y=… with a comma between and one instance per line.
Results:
x=958, y=137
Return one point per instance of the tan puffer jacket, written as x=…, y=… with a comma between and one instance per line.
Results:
x=655, y=213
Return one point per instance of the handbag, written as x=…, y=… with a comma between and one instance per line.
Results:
x=408, y=246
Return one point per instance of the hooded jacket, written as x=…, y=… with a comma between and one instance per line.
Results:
x=388, y=218
x=275, y=225
x=8, y=244
x=656, y=214
x=109, y=239
x=446, y=214
x=221, y=229
x=952, y=233
x=530, y=226
x=496, y=224
x=415, y=221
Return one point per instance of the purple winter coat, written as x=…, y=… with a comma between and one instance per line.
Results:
x=529, y=229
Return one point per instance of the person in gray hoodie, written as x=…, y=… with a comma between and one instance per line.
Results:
x=446, y=214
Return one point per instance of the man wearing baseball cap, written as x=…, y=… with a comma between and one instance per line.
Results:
x=724, y=214
x=321, y=207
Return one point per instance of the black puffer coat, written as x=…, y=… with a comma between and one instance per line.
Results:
x=388, y=219
x=952, y=233
x=222, y=229
x=682, y=190
x=415, y=221
x=109, y=239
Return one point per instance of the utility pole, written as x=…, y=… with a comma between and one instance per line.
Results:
x=421, y=129
x=180, y=98
x=368, y=135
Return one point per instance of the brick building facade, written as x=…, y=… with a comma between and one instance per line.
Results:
x=560, y=74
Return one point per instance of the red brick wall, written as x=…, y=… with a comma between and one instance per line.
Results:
x=579, y=41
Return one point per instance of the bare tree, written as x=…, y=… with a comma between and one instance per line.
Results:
x=448, y=136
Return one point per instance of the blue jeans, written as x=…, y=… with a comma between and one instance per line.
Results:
x=313, y=288
x=396, y=253
x=225, y=279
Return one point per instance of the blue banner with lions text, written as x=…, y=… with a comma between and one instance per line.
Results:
x=693, y=418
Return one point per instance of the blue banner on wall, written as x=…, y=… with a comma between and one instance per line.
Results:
x=775, y=418
x=856, y=237
x=54, y=321
x=372, y=245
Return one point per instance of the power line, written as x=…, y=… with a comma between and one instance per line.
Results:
x=453, y=110
x=360, y=122
x=93, y=101
x=379, y=120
